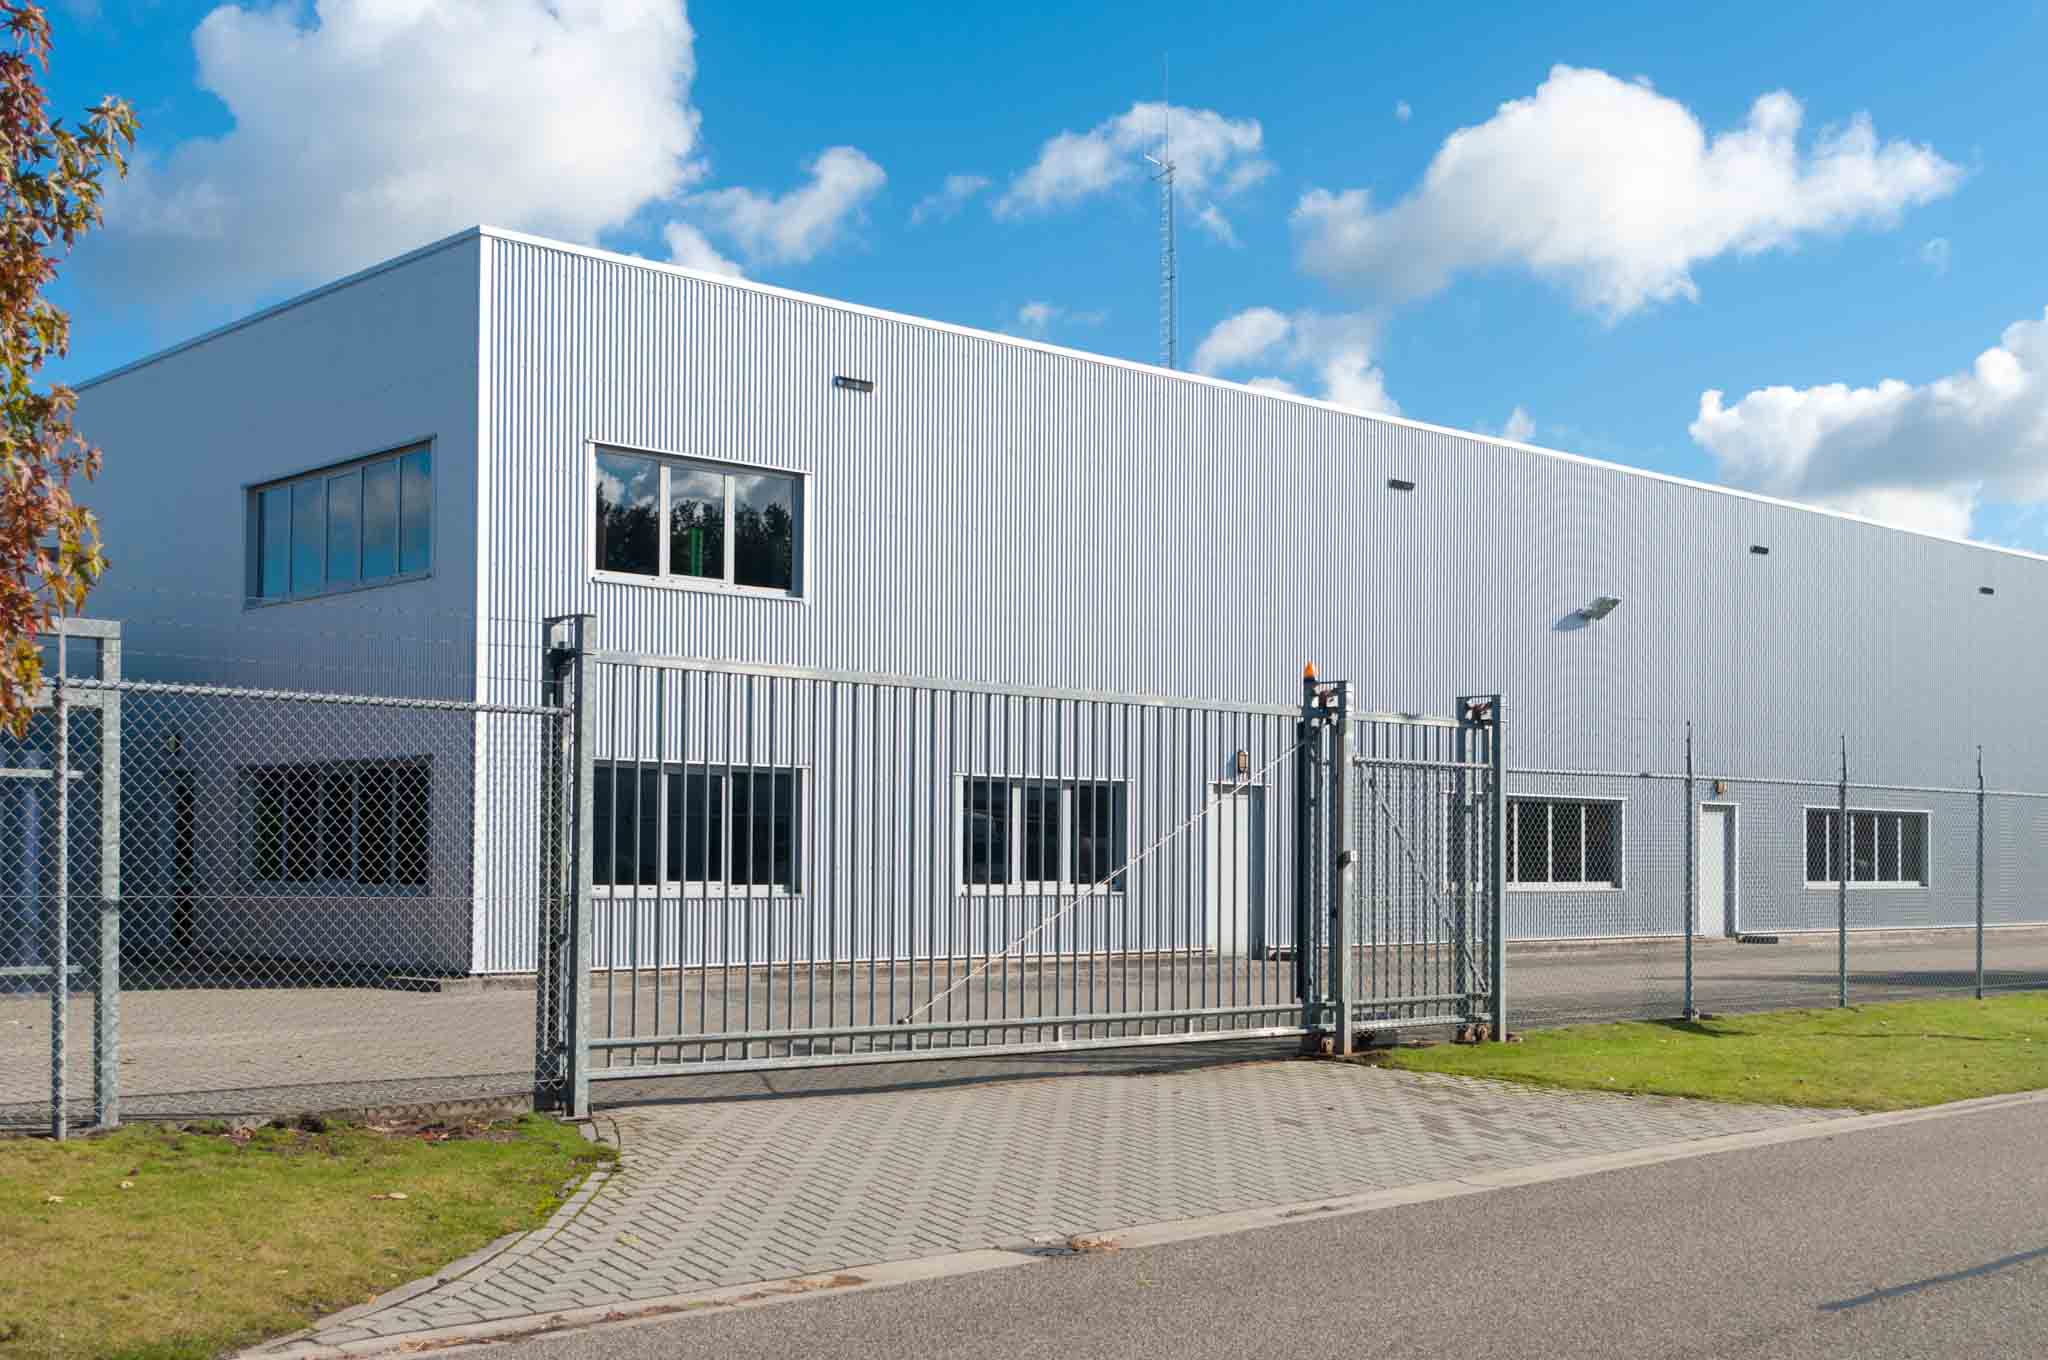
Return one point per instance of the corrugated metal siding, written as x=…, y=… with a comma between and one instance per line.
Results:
x=1008, y=514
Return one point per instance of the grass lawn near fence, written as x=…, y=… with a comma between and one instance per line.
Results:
x=162, y=1244
x=1881, y=1057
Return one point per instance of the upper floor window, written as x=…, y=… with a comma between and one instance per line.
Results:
x=355, y=524
x=699, y=522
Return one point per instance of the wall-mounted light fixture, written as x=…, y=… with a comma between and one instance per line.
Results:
x=1600, y=607
x=1986, y=590
x=840, y=380
x=1759, y=550
x=1244, y=762
x=1399, y=484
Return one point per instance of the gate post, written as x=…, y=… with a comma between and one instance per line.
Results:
x=1980, y=873
x=1848, y=838
x=1497, y=871
x=1305, y=972
x=1343, y=865
x=1692, y=881
x=562, y=987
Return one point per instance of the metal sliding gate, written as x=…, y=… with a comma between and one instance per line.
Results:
x=1402, y=842
x=756, y=867
x=767, y=867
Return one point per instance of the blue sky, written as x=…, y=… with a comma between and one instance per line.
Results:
x=1478, y=215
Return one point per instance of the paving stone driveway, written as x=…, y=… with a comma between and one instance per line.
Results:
x=741, y=1190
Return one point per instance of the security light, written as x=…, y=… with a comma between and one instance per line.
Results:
x=1399, y=484
x=841, y=381
x=1600, y=608
x=1759, y=550
x=1986, y=590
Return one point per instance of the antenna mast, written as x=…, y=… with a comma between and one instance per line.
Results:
x=1169, y=264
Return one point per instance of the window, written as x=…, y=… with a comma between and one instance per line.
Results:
x=1564, y=841
x=359, y=524
x=1884, y=848
x=664, y=519
x=1032, y=833
x=696, y=826
x=354, y=822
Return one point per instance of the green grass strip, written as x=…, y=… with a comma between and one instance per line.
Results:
x=158, y=1244
x=1881, y=1057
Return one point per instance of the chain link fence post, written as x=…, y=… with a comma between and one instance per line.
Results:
x=1692, y=886
x=1847, y=834
x=562, y=985
x=1980, y=873
x=60, y=916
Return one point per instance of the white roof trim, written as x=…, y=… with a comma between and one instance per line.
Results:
x=1019, y=342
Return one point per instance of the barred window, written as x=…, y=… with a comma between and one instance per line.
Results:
x=695, y=825
x=1884, y=847
x=354, y=524
x=1564, y=841
x=360, y=823
x=1026, y=833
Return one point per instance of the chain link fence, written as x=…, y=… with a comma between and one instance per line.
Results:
x=1704, y=890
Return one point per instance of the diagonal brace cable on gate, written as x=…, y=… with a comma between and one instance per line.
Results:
x=1432, y=895
x=1094, y=889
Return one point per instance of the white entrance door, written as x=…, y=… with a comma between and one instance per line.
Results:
x=1236, y=872
x=1717, y=869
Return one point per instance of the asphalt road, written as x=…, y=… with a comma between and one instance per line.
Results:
x=1919, y=1240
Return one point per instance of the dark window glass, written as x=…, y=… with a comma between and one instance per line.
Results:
x=380, y=520
x=1603, y=843
x=337, y=827
x=373, y=824
x=763, y=828
x=623, y=829
x=1888, y=848
x=267, y=849
x=696, y=826
x=1530, y=859
x=1567, y=827
x=696, y=523
x=987, y=831
x=309, y=533
x=601, y=836
x=344, y=527
x=415, y=511
x=1913, y=849
x=627, y=514
x=276, y=533
x=1040, y=829
x=764, y=530
x=1098, y=833
x=302, y=822
x=409, y=825
x=1863, y=846
x=1817, y=845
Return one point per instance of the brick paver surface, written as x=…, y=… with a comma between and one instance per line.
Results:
x=766, y=1186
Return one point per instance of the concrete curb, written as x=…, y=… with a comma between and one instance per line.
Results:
x=861, y=1279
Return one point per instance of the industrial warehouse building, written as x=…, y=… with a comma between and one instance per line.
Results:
x=448, y=448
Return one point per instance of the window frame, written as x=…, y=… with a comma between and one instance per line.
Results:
x=320, y=883
x=1833, y=813
x=252, y=525
x=663, y=578
x=1619, y=880
x=664, y=886
x=1063, y=849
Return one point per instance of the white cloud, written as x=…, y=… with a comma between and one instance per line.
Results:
x=944, y=204
x=1336, y=349
x=793, y=228
x=1037, y=318
x=690, y=248
x=1402, y=111
x=364, y=128
x=1520, y=426
x=1924, y=456
x=1214, y=158
x=1615, y=192
x=1935, y=255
